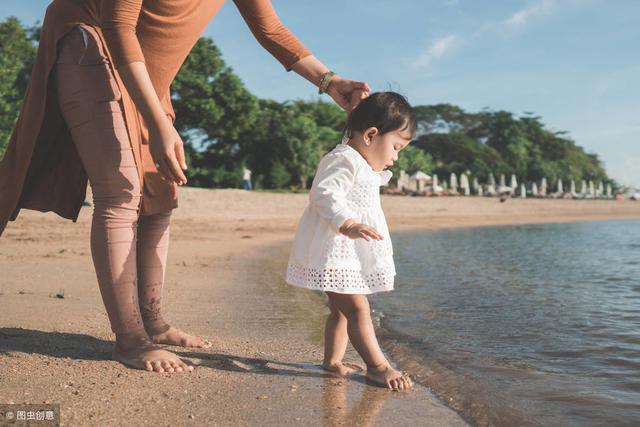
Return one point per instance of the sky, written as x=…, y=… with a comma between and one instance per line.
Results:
x=574, y=63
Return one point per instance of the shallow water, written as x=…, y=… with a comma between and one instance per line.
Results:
x=532, y=325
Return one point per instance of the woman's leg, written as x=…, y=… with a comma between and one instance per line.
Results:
x=335, y=343
x=93, y=114
x=152, y=249
x=363, y=337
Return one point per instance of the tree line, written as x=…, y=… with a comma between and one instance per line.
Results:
x=225, y=128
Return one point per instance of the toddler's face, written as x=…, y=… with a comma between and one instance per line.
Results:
x=383, y=149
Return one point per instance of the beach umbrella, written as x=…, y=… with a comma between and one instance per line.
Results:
x=453, y=180
x=434, y=183
x=609, y=190
x=600, y=189
x=514, y=183
x=421, y=176
x=464, y=184
x=592, y=191
x=491, y=186
x=560, y=187
x=475, y=184
x=534, y=189
x=502, y=180
x=420, y=179
x=401, y=178
x=583, y=187
x=573, y=187
x=543, y=187
x=523, y=191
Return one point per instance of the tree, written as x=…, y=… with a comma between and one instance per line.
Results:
x=329, y=119
x=325, y=114
x=303, y=149
x=17, y=55
x=213, y=110
x=284, y=138
x=411, y=160
x=225, y=127
x=207, y=95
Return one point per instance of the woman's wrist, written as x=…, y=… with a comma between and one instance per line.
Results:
x=325, y=82
x=311, y=69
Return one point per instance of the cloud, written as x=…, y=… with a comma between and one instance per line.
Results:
x=519, y=19
x=437, y=50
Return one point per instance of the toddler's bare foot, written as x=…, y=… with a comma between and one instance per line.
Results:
x=388, y=377
x=145, y=355
x=174, y=336
x=342, y=368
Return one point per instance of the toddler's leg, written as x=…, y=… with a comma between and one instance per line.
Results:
x=362, y=335
x=335, y=343
x=153, y=248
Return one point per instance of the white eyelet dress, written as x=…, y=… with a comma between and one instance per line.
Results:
x=345, y=187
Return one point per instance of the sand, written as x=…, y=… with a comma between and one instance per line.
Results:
x=225, y=282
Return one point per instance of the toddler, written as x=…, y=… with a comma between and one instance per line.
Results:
x=342, y=245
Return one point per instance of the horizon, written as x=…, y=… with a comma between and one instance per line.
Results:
x=569, y=62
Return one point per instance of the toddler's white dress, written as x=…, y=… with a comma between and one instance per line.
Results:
x=345, y=187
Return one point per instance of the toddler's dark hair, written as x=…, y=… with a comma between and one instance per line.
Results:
x=387, y=111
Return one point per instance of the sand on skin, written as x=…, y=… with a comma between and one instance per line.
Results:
x=224, y=281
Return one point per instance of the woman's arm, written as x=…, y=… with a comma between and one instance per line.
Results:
x=346, y=93
x=286, y=48
x=119, y=21
x=165, y=144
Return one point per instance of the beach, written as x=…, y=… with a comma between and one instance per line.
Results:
x=224, y=281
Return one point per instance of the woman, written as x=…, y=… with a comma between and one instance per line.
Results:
x=98, y=106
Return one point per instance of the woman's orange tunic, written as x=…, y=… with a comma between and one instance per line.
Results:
x=41, y=169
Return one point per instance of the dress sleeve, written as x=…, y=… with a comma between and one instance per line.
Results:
x=335, y=177
x=119, y=19
x=270, y=32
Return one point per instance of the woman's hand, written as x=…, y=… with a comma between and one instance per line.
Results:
x=167, y=150
x=347, y=93
x=355, y=230
x=165, y=143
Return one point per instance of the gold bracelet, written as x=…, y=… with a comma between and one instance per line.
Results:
x=325, y=80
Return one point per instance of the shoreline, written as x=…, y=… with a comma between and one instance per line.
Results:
x=224, y=281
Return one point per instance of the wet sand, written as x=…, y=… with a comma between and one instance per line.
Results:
x=225, y=282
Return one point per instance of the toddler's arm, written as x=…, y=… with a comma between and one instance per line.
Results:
x=334, y=179
x=355, y=230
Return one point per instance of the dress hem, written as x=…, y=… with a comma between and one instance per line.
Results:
x=345, y=291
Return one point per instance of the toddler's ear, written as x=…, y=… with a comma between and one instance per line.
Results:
x=369, y=133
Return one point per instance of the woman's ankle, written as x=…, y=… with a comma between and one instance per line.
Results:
x=131, y=340
x=156, y=328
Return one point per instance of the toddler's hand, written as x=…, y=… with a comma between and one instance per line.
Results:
x=355, y=230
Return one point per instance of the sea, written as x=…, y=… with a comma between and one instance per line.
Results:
x=521, y=325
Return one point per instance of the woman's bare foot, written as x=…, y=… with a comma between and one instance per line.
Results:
x=388, y=377
x=342, y=368
x=150, y=357
x=174, y=336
